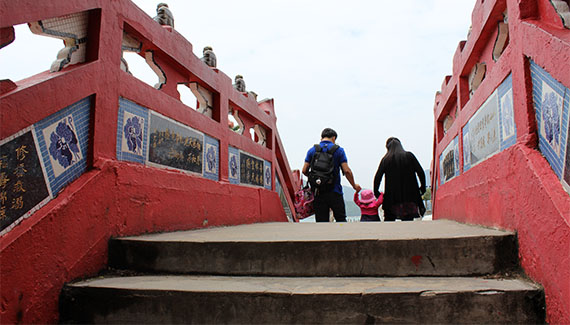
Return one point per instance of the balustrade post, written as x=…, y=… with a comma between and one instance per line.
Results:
x=223, y=107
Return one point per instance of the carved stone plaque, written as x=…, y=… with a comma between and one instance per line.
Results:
x=22, y=182
x=251, y=170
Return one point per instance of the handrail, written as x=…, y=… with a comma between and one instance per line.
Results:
x=171, y=54
x=500, y=154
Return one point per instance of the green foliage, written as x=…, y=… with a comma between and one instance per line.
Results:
x=427, y=195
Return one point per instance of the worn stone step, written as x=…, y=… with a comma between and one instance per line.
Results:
x=434, y=248
x=288, y=300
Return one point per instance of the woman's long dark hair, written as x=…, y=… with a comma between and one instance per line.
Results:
x=396, y=152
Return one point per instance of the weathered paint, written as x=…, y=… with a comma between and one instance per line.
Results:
x=67, y=238
x=516, y=188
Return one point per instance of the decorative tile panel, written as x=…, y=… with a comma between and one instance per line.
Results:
x=63, y=141
x=23, y=187
x=37, y=162
x=212, y=158
x=466, y=148
x=566, y=176
x=284, y=203
x=449, y=161
x=484, y=130
x=233, y=165
x=267, y=175
x=551, y=107
x=507, y=126
x=247, y=169
x=492, y=128
x=132, y=132
x=147, y=137
x=175, y=145
x=251, y=169
x=73, y=30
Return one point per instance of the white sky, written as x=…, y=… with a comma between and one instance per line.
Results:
x=367, y=68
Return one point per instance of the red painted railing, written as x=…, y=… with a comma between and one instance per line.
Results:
x=486, y=166
x=65, y=237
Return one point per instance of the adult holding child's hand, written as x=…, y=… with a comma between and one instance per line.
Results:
x=323, y=164
x=402, y=195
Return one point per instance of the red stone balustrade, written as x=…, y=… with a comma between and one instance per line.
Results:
x=511, y=185
x=67, y=236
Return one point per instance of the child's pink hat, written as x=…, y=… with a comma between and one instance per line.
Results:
x=367, y=196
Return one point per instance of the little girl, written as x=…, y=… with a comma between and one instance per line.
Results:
x=368, y=205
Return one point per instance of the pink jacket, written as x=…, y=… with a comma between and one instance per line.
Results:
x=369, y=208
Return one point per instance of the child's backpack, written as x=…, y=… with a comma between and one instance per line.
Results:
x=321, y=171
x=304, y=203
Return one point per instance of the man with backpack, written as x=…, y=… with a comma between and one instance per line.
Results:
x=322, y=166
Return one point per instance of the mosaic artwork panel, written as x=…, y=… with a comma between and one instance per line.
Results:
x=484, y=138
x=233, y=165
x=132, y=132
x=551, y=117
x=492, y=128
x=566, y=177
x=212, y=158
x=174, y=145
x=63, y=144
x=22, y=184
x=267, y=175
x=283, y=200
x=68, y=26
x=551, y=107
x=507, y=115
x=456, y=155
x=63, y=140
x=449, y=161
x=251, y=170
x=466, y=148
x=73, y=30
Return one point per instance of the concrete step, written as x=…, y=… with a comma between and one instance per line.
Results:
x=434, y=248
x=190, y=299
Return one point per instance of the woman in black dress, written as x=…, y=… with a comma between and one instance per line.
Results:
x=402, y=196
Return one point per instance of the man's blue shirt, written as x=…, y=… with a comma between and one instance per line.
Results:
x=339, y=157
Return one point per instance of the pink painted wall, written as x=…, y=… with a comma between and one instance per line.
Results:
x=516, y=188
x=67, y=238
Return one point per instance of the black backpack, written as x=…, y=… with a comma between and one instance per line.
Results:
x=321, y=171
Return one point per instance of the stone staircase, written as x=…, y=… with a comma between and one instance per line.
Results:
x=348, y=273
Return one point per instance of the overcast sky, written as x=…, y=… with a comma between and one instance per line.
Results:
x=368, y=69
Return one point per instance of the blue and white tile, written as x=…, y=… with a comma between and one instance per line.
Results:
x=233, y=165
x=211, y=158
x=132, y=132
x=566, y=126
x=466, y=148
x=507, y=116
x=552, y=117
x=456, y=155
x=267, y=175
x=63, y=141
x=63, y=144
x=284, y=203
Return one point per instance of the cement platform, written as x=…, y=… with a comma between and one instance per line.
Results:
x=330, y=231
x=435, y=248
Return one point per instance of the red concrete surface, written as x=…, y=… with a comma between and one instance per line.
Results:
x=515, y=189
x=67, y=238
